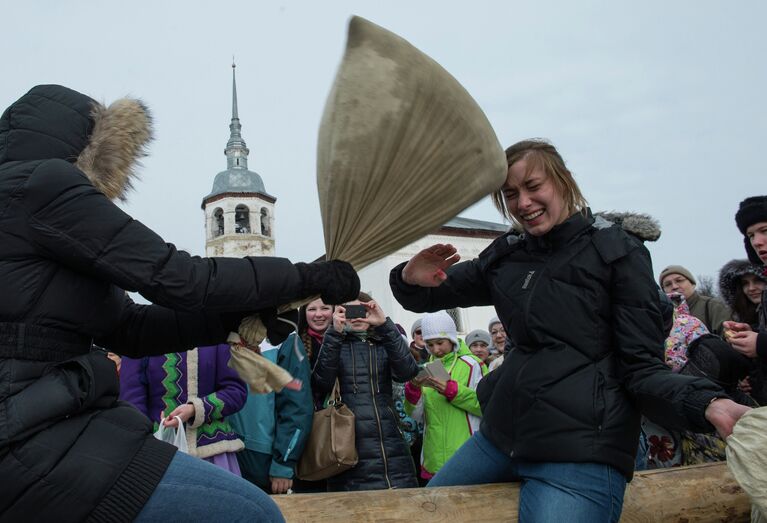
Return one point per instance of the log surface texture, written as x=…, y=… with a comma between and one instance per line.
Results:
x=702, y=493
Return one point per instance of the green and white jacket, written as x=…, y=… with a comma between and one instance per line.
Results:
x=449, y=419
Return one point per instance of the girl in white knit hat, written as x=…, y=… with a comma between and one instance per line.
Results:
x=450, y=407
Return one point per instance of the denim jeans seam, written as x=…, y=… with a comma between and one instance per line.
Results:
x=610, y=491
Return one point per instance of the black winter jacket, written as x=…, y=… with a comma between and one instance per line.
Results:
x=365, y=370
x=582, y=307
x=69, y=451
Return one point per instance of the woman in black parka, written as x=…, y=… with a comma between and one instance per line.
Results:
x=365, y=354
x=578, y=297
x=69, y=451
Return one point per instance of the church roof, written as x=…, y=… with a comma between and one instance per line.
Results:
x=476, y=225
x=236, y=178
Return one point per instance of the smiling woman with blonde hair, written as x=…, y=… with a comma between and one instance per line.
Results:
x=577, y=297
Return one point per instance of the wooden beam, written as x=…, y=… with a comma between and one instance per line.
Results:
x=686, y=494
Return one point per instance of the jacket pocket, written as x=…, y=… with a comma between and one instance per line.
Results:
x=599, y=400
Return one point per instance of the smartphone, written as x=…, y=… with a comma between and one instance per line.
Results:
x=356, y=311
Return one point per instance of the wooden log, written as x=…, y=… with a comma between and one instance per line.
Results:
x=686, y=494
x=697, y=494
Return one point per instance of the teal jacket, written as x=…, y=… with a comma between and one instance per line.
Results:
x=279, y=423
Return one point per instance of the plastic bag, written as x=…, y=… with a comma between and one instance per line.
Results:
x=175, y=436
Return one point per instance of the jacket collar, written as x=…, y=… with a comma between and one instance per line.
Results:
x=561, y=234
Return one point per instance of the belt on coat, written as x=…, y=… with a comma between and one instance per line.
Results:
x=24, y=341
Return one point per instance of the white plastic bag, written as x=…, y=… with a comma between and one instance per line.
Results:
x=174, y=436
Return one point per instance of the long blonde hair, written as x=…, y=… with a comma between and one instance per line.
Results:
x=540, y=154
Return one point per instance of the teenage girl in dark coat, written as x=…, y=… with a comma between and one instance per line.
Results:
x=578, y=297
x=365, y=354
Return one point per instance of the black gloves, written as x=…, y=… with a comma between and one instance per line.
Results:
x=335, y=281
x=277, y=328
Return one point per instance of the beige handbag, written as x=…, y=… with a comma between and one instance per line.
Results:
x=331, y=448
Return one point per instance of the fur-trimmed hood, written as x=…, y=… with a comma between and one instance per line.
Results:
x=106, y=143
x=730, y=275
x=643, y=226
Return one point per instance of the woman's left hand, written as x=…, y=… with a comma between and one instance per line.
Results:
x=744, y=342
x=723, y=413
x=185, y=412
x=376, y=315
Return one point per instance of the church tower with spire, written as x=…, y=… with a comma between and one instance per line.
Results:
x=239, y=213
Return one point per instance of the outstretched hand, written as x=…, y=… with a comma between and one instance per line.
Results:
x=723, y=413
x=427, y=268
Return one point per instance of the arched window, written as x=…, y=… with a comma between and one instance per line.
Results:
x=241, y=220
x=266, y=228
x=218, y=222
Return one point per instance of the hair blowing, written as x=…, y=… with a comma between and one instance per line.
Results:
x=540, y=154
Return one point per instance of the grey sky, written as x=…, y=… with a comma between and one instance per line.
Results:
x=658, y=107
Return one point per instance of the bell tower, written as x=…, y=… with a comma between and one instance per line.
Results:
x=239, y=213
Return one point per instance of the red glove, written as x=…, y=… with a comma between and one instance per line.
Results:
x=412, y=393
x=451, y=390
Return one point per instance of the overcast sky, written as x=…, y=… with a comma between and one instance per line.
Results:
x=657, y=107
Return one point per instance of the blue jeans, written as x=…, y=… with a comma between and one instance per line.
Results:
x=195, y=490
x=550, y=492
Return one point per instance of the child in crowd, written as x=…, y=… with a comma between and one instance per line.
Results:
x=450, y=408
x=197, y=387
x=275, y=426
x=479, y=344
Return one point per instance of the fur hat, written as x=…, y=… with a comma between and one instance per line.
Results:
x=439, y=325
x=478, y=335
x=750, y=211
x=493, y=321
x=730, y=275
x=121, y=133
x=105, y=142
x=676, y=269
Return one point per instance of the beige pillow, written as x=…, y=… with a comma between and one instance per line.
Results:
x=747, y=457
x=403, y=148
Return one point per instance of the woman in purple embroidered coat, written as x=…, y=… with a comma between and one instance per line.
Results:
x=198, y=387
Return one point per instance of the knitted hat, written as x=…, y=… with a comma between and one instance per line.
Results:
x=676, y=269
x=750, y=211
x=415, y=327
x=493, y=321
x=478, y=335
x=439, y=325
